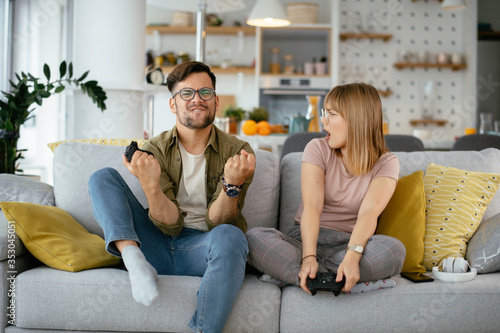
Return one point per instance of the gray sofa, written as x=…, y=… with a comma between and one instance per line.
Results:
x=100, y=300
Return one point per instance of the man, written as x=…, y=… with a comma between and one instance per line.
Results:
x=195, y=185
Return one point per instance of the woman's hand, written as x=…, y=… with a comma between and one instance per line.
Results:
x=309, y=269
x=349, y=268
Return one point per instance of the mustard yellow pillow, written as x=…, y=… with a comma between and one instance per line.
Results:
x=101, y=141
x=55, y=238
x=404, y=219
x=456, y=201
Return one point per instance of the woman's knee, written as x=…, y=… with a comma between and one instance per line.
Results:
x=386, y=259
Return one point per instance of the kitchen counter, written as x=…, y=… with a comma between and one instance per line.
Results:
x=272, y=142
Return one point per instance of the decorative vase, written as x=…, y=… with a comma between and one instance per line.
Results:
x=312, y=113
x=8, y=151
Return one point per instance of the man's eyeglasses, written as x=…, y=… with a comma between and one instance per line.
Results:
x=187, y=94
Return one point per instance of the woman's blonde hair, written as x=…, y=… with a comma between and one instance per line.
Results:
x=359, y=104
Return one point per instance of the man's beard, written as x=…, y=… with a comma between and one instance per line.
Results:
x=186, y=120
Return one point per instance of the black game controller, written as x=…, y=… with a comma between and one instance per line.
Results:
x=131, y=148
x=325, y=282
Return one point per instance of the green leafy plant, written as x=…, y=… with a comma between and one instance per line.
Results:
x=234, y=112
x=17, y=106
x=259, y=114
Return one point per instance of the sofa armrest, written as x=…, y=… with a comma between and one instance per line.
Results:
x=20, y=189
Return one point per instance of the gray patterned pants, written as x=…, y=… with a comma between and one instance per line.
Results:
x=279, y=255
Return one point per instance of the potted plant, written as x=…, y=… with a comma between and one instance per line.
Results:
x=234, y=115
x=259, y=114
x=17, y=105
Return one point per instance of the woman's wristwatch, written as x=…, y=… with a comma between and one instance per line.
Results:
x=232, y=191
x=356, y=248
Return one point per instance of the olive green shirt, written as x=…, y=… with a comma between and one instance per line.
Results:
x=220, y=147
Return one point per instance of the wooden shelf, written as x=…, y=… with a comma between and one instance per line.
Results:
x=166, y=29
x=385, y=93
x=293, y=75
x=218, y=70
x=488, y=35
x=401, y=65
x=439, y=122
x=384, y=37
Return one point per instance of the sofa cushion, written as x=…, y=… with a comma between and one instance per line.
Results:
x=21, y=189
x=483, y=250
x=290, y=195
x=74, y=163
x=404, y=219
x=262, y=199
x=409, y=307
x=56, y=239
x=455, y=204
x=101, y=300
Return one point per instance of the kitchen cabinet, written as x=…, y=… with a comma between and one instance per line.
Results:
x=308, y=44
x=241, y=32
x=283, y=89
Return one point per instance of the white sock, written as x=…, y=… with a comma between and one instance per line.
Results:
x=142, y=275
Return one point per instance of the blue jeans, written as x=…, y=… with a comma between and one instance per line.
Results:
x=219, y=256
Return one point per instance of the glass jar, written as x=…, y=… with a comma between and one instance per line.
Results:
x=289, y=65
x=385, y=124
x=274, y=66
x=485, y=122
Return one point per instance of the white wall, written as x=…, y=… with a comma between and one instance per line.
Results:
x=37, y=39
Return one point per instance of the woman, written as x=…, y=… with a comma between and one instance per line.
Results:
x=347, y=179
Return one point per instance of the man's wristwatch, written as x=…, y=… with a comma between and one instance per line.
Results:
x=232, y=191
x=356, y=248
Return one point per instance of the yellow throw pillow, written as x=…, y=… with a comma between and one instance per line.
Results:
x=55, y=238
x=456, y=201
x=101, y=141
x=404, y=219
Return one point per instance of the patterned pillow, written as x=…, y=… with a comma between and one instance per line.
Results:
x=483, y=250
x=455, y=203
x=101, y=141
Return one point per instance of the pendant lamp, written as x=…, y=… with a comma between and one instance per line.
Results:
x=268, y=13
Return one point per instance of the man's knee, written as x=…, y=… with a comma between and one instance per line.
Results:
x=229, y=239
x=102, y=175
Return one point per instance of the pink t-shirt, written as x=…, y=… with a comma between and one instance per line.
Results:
x=344, y=192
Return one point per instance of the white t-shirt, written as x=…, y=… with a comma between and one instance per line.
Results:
x=191, y=195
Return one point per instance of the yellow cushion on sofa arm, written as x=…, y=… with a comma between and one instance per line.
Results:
x=404, y=219
x=101, y=141
x=56, y=239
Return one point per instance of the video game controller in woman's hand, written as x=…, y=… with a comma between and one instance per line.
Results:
x=130, y=150
x=325, y=282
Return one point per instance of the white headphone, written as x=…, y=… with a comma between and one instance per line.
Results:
x=454, y=269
